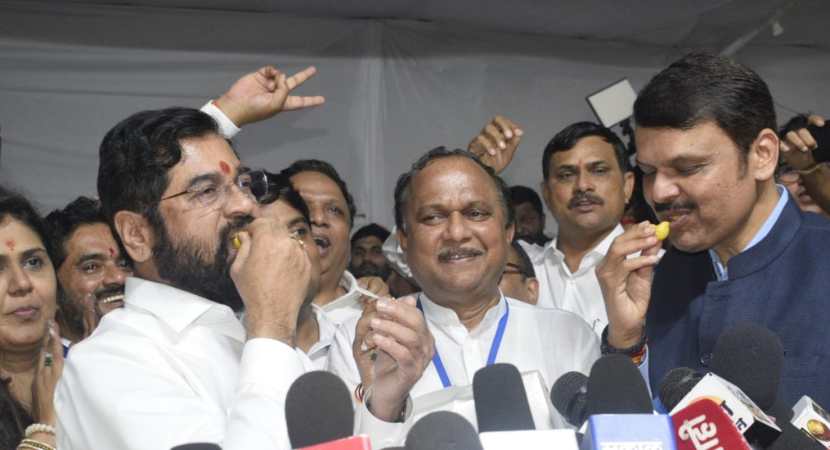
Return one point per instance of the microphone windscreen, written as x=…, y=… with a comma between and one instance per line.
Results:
x=615, y=386
x=318, y=408
x=569, y=396
x=676, y=384
x=197, y=446
x=793, y=438
x=752, y=358
x=704, y=424
x=500, y=399
x=442, y=430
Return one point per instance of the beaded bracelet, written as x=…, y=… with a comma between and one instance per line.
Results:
x=39, y=428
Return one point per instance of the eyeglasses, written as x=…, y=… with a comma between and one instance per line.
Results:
x=210, y=193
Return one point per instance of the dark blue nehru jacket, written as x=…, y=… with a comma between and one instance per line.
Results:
x=782, y=283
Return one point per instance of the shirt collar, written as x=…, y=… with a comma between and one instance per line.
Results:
x=352, y=295
x=721, y=271
x=179, y=309
x=599, y=251
x=326, y=328
x=444, y=316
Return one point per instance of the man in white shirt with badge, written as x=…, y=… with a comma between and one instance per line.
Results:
x=175, y=365
x=455, y=226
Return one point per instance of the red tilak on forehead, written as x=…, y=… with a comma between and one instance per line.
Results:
x=112, y=253
x=226, y=169
x=10, y=245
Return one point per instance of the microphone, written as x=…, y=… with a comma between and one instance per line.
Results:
x=615, y=386
x=813, y=420
x=751, y=357
x=500, y=399
x=676, y=384
x=442, y=430
x=704, y=424
x=569, y=395
x=629, y=431
x=318, y=408
x=197, y=446
x=756, y=427
x=620, y=410
x=793, y=438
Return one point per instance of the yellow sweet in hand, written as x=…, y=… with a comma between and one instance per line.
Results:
x=662, y=230
x=236, y=242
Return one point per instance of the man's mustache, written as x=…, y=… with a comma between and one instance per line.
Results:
x=448, y=254
x=678, y=206
x=582, y=197
x=109, y=291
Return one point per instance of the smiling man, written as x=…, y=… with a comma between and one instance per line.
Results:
x=455, y=227
x=742, y=249
x=332, y=210
x=90, y=265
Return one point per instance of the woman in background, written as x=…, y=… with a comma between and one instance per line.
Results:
x=31, y=357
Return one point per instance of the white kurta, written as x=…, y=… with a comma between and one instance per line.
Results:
x=577, y=292
x=172, y=368
x=542, y=343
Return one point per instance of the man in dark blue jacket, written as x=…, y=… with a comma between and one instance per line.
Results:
x=742, y=250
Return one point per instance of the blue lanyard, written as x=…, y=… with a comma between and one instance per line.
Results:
x=494, y=347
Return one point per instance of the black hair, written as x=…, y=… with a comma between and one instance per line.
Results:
x=570, y=135
x=701, y=87
x=18, y=207
x=523, y=194
x=137, y=154
x=372, y=229
x=402, y=186
x=280, y=188
x=525, y=266
x=316, y=165
x=15, y=418
x=61, y=223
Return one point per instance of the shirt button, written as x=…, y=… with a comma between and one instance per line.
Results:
x=705, y=359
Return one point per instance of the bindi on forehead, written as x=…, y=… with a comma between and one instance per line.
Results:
x=10, y=244
x=225, y=167
x=112, y=252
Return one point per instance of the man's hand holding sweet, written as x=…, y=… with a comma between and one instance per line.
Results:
x=626, y=283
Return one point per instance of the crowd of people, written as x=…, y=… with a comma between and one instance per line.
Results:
x=181, y=303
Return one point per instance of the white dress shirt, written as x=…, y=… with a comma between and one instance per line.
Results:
x=577, y=292
x=172, y=368
x=349, y=306
x=334, y=344
x=542, y=343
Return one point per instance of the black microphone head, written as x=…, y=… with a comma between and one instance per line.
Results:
x=792, y=438
x=442, y=430
x=197, y=446
x=318, y=408
x=615, y=386
x=500, y=399
x=569, y=396
x=676, y=384
x=751, y=357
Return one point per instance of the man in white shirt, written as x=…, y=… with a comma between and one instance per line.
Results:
x=586, y=185
x=455, y=226
x=317, y=335
x=175, y=365
x=332, y=211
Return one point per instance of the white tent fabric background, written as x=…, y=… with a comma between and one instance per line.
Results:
x=394, y=88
